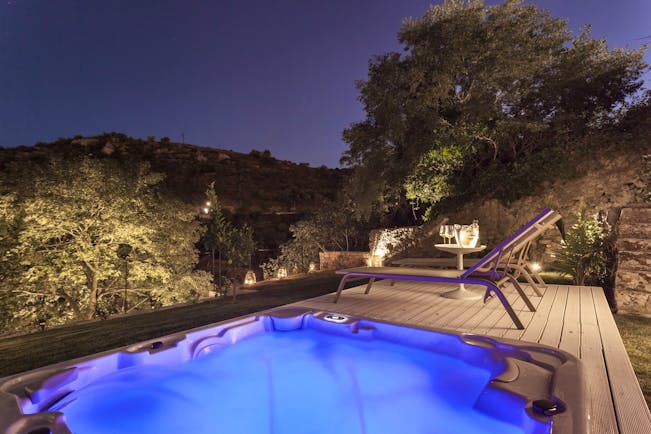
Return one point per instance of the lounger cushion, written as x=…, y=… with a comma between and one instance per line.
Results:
x=433, y=262
x=377, y=272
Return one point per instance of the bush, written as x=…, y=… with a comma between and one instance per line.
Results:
x=270, y=268
x=333, y=227
x=584, y=252
x=295, y=256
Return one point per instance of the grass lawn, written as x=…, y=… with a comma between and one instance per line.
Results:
x=555, y=277
x=635, y=332
x=23, y=352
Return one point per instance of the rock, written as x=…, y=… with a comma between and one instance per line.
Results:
x=108, y=148
x=84, y=141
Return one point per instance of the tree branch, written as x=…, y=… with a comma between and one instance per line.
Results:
x=138, y=304
x=492, y=142
x=24, y=292
x=141, y=291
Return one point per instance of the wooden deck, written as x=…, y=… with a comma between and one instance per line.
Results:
x=573, y=318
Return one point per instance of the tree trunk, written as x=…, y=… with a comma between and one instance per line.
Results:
x=580, y=275
x=74, y=305
x=219, y=264
x=92, y=299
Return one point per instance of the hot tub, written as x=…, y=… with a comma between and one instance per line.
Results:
x=295, y=371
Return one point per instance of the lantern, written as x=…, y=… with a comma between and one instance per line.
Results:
x=249, y=278
x=312, y=267
x=282, y=273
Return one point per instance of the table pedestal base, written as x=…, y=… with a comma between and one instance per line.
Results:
x=462, y=294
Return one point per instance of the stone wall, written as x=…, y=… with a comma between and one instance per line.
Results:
x=633, y=277
x=609, y=187
x=609, y=184
x=337, y=260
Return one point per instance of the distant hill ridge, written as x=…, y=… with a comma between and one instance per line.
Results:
x=246, y=183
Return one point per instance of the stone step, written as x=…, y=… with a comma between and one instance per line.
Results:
x=633, y=302
x=633, y=261
x=637, y=230
x=633, y=292
x=635, y=215
x=633, y=277
x=638, y=281
x=633, y=245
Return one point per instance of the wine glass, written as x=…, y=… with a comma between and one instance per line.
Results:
x=449, y=233
x=442, y=232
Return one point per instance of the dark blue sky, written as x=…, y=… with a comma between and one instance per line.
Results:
x=236, y=74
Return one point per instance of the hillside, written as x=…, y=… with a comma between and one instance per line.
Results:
x=254, y=182
x=256, y=188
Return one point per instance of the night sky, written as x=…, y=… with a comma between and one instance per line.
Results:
x=237, y=74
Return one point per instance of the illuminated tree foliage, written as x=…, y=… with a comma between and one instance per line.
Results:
x=10, y=223
x=296, y=254
x=484, y=100
x=334, y=227
x=60, y=226
x=231, y=243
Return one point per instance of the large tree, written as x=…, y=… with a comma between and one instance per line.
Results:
x=61, y=224
x=480, y=98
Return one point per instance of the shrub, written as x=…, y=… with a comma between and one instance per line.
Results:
x=584, y=251
x=270, y=268
x=295, y=256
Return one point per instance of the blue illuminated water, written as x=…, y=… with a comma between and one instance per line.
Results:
x=301, y=381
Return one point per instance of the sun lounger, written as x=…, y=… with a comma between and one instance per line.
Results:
x=486, y=272
x=518, y=265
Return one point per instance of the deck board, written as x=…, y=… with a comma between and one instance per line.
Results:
x=535, y=329
x=552, y=333
x=571, y=333
x=630, y=407
x=574, y=318
x=603, y=418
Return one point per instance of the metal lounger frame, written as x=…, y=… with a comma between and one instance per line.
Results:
x=520, y=266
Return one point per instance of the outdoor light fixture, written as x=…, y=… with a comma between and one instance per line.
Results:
x=536, y=267
x=377, y=258
x=249, y=278
x=205, y=210
x=282, y=273
x=312, y=267
x=379, y=252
